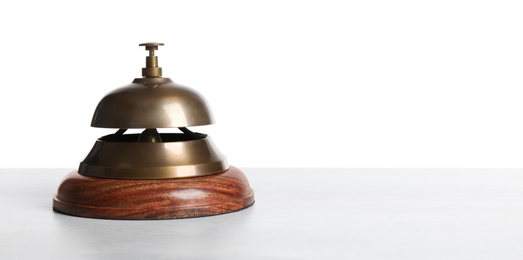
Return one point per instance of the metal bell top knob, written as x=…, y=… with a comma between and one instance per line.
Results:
x=151, y=69
x=151, y=45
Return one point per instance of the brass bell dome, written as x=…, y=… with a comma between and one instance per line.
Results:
x=152, y=103
x=149, y=103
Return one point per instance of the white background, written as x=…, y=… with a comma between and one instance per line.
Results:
x=291, y=83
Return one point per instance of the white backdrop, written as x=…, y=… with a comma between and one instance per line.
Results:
x=291, y=83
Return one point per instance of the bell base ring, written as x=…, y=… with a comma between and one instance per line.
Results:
x=93, y=197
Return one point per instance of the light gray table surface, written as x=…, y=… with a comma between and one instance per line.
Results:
x=298, y=214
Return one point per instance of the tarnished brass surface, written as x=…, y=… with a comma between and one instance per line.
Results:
x=152, y=72
x=152, y=103
x=147, y=160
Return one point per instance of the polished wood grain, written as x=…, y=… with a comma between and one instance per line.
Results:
x=220, y=193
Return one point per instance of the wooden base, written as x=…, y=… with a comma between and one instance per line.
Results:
x=91, y=197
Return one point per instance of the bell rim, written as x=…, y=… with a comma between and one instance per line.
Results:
x=147, y=160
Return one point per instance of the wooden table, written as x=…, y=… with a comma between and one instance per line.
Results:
x=298, y=214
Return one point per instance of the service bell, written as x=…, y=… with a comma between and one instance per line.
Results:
x=153, y=175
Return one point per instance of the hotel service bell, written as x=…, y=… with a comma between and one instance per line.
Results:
x=153, y=175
